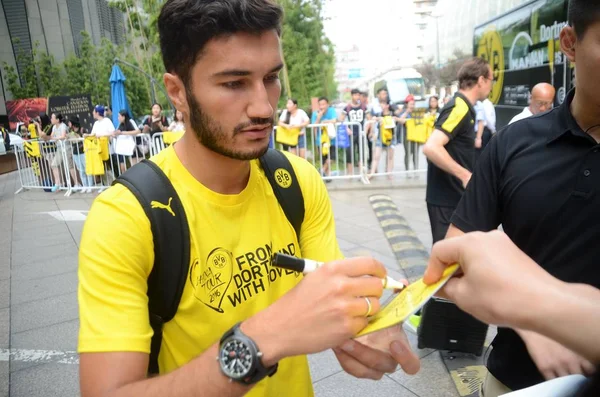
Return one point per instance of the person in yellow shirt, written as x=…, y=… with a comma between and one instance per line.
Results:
x=223, y=75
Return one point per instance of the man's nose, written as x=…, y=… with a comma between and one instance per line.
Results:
x=260, y=106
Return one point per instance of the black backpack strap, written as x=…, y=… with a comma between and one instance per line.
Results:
x=171, y=236
x=283, y=180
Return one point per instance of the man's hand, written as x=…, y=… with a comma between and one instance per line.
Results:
x=478, y=143
x=373, y=355
x=552, y=359
x=490, y=276
x=327, y=308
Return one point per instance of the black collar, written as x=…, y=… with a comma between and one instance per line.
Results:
x=565, y=122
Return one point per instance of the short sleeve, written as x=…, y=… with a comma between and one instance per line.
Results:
x=304, y=116
x=479, y=207
x=130, y=126
x=479, y=112
x=331, y=114
x=451, y=117
x=318, y=239
x=115, y=259
x=108, y=126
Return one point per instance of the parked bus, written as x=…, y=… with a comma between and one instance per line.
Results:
x=523, y=49
x=400, y=83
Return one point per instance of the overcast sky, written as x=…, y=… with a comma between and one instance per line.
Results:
x=373, y=25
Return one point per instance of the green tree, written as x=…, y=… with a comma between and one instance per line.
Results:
x=308, y=53
x=50, y=75
x=24, y=86
x=87, y=73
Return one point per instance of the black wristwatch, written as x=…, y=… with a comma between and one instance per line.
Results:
x=240, y=358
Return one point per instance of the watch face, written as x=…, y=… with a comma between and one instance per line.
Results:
x=236, y=358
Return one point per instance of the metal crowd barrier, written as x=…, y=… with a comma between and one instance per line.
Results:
x=359, y=158
x=92, y=164
x=41, y=165
x=403, y=154
x=78, y=164
x=162, y=140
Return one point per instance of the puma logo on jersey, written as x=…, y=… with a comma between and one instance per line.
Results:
x=156, y=204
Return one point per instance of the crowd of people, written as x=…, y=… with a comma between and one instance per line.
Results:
x=537, y=178
x=92, y=159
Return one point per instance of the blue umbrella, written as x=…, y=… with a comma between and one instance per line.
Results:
x=117, y=94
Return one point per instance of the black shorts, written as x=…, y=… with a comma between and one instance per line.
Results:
x=353, y=147
x=331, y=156
x=439, y=218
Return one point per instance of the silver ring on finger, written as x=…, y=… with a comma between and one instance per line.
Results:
x=369, y=307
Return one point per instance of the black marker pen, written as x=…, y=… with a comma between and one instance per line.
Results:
x=308, y=266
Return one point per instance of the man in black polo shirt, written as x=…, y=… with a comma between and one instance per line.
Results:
x=451, y=148
x=540, y=179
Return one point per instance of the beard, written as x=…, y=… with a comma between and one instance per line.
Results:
x=212, y=136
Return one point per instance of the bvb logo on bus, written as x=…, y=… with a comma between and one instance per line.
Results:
x=490, y=48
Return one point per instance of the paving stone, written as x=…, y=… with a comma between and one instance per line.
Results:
x=46, y=380
x=432, y=380
x=61, y=337
x=323, y=364
x=49, y=267
x=42, y=313
x=343, y=384
x=41, y=288
x=4, y=293
x=49, y=253
x=4, y=328
x=4, y=378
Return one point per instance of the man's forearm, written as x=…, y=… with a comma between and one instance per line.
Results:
x=555, y=311
x=480, y=128
x=442, y=159
x=200, y=377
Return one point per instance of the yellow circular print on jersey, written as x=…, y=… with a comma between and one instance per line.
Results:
x=283, y=178
x=490, y=48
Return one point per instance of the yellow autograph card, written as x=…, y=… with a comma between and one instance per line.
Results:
x=408, y=301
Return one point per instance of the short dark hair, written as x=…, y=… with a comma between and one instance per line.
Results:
x=323, y=99
x=582, y=14
x=382, y=89
x=186, y=26
x=355, y=91
x=470, y=72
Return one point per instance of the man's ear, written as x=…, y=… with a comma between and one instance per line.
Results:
x=176, y=92
x=568, y=40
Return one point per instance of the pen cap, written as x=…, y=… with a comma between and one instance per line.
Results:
x=288, y=262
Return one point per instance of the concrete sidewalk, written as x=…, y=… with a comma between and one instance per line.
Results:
x=39, y=237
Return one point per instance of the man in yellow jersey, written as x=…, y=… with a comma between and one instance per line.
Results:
x=223, y=60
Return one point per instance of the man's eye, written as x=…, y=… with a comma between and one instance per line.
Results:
x=273, y=77
x=233, y=84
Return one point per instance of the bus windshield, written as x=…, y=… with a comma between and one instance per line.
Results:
x=400, y=88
